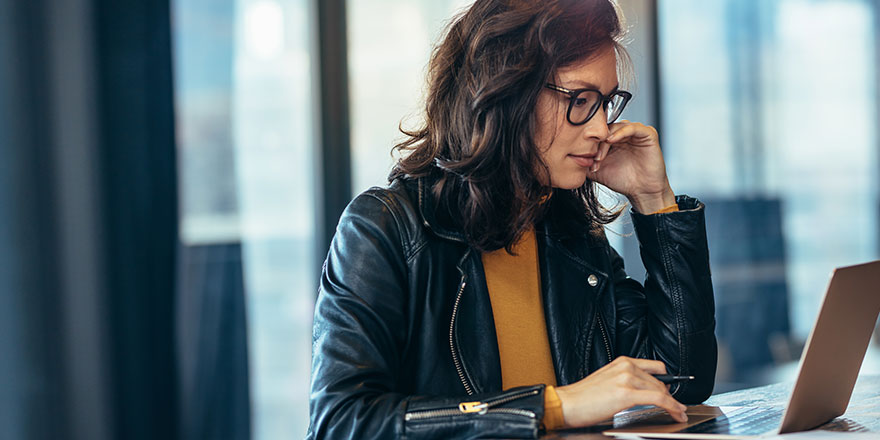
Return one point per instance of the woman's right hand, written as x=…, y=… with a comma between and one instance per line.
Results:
x=622, y=384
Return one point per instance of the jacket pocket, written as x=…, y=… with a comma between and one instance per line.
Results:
x=489, y=405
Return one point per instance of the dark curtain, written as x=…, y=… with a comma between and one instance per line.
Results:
x=29, y=314
x=139, y=193
x=89, y=238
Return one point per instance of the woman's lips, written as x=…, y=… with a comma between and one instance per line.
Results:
x=584, y=160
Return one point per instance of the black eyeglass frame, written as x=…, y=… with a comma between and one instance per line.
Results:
x=603, y=101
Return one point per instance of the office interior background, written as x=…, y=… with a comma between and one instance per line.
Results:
x=172, y=173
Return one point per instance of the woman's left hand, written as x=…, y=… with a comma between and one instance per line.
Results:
x=630, y=162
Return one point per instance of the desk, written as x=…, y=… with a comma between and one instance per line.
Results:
x=862, y=414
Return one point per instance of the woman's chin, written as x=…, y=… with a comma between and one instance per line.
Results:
x=570, y=182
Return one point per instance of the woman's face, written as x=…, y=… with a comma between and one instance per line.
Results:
x=566, y=149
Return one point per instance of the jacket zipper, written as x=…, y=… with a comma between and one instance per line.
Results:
x=480, y=408
x=604, y=336
x=455, y=359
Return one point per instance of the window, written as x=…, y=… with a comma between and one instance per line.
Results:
x=243, y=87
x=769, y=113
x=390, y=42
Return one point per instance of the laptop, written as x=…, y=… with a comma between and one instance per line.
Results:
x=828, y=370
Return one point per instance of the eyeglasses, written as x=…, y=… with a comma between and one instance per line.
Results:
x=584, y=103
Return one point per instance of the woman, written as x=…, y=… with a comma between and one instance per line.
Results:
x=477, y=295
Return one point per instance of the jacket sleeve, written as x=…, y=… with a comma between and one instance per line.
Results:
x=671, y=318
x=360, y=329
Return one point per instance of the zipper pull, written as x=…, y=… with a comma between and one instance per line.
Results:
x=473, y=407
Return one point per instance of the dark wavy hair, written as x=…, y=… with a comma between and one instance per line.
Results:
x=477, y=142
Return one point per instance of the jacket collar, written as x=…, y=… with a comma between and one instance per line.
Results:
x=427, y=209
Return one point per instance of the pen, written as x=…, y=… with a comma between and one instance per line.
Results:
x=668, y=378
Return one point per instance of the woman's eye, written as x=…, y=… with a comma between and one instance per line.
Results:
x=580, y=102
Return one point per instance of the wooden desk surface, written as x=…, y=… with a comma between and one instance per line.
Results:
x=862, y=414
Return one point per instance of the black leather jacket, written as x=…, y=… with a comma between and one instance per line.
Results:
x=403, y=330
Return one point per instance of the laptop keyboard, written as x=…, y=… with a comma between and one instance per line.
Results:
x=749, y=421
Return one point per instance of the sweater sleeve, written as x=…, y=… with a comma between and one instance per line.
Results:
x=553, y=417
x=670, y=208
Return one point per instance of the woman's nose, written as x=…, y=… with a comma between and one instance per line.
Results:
x=597, y=126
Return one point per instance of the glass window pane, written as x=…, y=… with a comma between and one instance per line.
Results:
x=243, y=82
x=769, y=110
x=389, y=44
